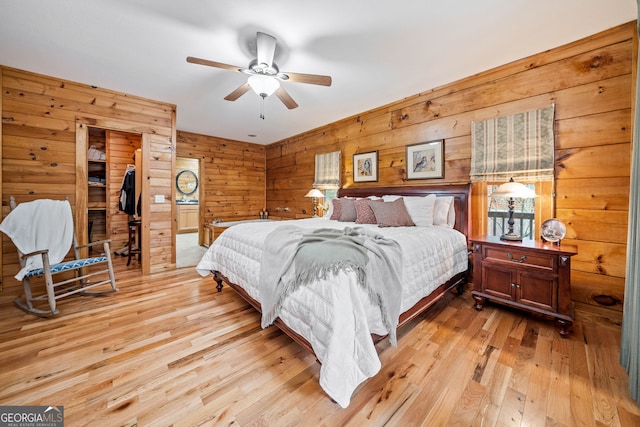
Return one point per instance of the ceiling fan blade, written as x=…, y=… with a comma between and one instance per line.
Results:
x=312, y=79
x=200, y=61
x=238, y=92
x=286, y=99
x=265, y=48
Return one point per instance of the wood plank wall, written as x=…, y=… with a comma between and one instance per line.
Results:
x=233, y=176
x=39, y=115
x=591, y=83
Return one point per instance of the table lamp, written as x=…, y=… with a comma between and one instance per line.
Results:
x=316, y=194
x=512, y=190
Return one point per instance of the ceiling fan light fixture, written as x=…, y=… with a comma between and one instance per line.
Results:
x=263, y=85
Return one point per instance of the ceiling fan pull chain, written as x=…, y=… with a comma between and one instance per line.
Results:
x=262, y=108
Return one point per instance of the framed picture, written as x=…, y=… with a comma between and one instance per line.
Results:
x=425, y=160
x=365, y=167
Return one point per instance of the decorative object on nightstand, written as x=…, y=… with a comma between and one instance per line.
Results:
x=316, y=194
x=512, y=190
x=553, y=231
x=529, y=275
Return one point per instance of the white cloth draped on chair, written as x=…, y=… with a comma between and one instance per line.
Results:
x=38, y=225
x=43, y=233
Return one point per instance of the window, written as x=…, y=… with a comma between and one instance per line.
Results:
x=327, y=173
x=329, y=195
x=498, y=214
x=519, y=147
x=327, y=177
x=487, y=210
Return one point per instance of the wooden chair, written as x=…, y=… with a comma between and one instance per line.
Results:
x=37, y=260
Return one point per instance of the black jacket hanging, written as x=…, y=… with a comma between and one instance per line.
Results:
x=127, y=202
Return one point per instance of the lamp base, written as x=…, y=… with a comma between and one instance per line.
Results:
x=511, y=237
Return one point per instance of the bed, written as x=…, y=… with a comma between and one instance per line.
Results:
x=335, y=316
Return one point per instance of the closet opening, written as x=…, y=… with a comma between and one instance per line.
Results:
x=114, y=191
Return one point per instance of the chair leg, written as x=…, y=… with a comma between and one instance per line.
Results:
x=112, y=276
x=109, y=270
x=26, y=305
x=51, y=294
x=28, y=296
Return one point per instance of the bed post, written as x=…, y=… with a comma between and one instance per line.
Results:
x=218, y=278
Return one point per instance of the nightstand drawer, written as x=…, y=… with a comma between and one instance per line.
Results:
x=523, y=258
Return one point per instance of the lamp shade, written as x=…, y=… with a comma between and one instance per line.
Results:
x=263, y=85
x=514, y=189
x=314, y=192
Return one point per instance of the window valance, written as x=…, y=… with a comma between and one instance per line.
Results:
x=327, y=175
x=519, y=146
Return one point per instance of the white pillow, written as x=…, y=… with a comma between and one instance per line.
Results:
x=444, y=212
x=420, y=209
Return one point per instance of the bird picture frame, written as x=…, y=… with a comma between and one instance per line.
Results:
x=365, y=167
x=425, y=160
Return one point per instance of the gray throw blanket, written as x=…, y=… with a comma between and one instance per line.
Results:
x=294, y=257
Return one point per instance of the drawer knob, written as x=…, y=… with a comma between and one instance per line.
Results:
x=513, y=285
x=522, y=258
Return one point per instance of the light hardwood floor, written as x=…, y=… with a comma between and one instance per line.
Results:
x=167, y=349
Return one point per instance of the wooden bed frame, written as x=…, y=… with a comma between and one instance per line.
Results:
x=461, y=194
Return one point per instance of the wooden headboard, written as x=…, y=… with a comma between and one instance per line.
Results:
x=461, y=195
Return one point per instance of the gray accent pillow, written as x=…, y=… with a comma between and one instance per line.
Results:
x=392, y=214
x=347, y=210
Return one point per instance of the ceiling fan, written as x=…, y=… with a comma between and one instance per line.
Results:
x=264, y=74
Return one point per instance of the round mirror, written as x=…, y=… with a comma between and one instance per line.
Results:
x=186, y=182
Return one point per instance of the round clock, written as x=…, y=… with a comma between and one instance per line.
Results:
x=553, y=230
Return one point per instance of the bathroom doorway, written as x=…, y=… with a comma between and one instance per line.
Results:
x=188, y=190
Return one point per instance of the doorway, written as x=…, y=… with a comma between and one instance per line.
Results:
x=108, y=157
x=188, y=205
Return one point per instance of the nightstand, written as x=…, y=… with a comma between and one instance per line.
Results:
x=530, y=275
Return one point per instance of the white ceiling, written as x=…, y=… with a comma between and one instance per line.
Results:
x=377, y=51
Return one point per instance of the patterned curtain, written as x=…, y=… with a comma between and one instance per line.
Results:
x=630, y=345
x=327, y=175
x=519, y=146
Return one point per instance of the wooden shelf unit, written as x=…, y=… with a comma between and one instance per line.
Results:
x=97, y=185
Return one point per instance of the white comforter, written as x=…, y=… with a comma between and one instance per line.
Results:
x=338, y=320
